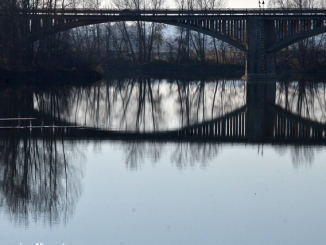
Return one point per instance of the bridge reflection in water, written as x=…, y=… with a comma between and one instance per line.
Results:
x=40, y=164
x=260, y=120
x=255, y=118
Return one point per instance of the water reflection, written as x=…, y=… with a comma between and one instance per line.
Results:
x=234, y=109
x=183, y=154
x=301, y=156
x=136, y=153
x=305, y=97
x=149, y=109
x=173, y=110
x=143, y=104
x=41, y=178
x=190, y=154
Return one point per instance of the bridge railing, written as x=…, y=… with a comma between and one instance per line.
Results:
x=173, y=12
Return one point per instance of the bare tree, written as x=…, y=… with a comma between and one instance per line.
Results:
x=139, y=37
x=191, y=43
x=308, y=53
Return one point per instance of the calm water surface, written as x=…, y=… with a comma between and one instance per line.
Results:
x=145, y=161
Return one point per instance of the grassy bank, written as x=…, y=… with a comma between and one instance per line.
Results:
x=48, y=77
x=167, y=69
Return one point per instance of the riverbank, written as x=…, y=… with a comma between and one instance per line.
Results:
x=48, y=77
x=162, y=69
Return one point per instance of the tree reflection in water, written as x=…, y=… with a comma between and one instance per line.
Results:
x=301, y=156
x=143, y=104
x=203, y=100
x=183, y=154
x=304, y=97
x=138, y=152
x=147, y=105
x=191, y=153
x=39, y=179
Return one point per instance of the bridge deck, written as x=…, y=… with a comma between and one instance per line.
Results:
x=177, y=12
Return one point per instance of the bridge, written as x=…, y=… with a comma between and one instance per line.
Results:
x=258, y=32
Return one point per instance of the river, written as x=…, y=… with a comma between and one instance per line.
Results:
x=164, y=161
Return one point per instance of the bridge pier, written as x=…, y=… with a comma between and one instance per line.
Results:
x=259, y=121
x=259, y=63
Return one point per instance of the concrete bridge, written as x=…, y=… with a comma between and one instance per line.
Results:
x=258, y=32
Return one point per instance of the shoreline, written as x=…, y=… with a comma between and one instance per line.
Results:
x=158, y=69
x=48, y=77
x=168, y=70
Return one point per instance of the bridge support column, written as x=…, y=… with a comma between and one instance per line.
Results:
x=259, y=63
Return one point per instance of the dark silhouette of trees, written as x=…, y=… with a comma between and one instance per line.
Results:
x=38, y=180
x=40, y=177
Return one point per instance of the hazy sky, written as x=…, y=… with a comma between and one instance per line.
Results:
x=244, y=3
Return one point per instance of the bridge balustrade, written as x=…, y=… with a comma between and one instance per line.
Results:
x=231, y=126
x=287, y=128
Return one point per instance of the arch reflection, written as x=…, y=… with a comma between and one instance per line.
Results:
x=41, y=178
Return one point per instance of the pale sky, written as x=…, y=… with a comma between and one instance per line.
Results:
x=244, y=3
x=231, y=3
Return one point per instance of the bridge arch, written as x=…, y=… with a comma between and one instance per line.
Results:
x=208, y=32
x=258, y=33
x=277, y=46
x=75, y=24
